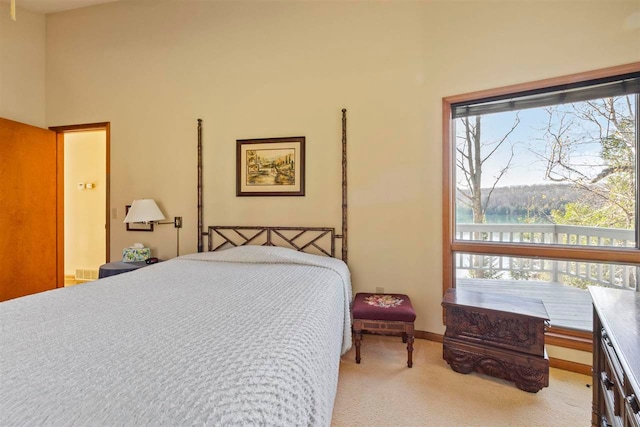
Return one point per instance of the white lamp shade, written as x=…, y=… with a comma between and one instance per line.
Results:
x=144, y=210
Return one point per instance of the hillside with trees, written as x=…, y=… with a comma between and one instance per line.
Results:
x=527, y=203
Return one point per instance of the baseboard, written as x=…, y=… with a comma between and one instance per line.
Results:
x=570, y=366
x=429, y=336
x=566, y=365
x=576, y=340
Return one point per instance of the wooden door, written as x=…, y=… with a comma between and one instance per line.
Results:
x=28, y=212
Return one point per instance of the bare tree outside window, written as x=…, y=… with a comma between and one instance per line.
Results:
x=473, y=153
x=609, y=177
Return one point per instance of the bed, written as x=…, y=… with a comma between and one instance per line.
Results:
x=246, y=333
x=247, y=336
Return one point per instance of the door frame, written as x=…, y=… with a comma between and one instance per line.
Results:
x=60, y=132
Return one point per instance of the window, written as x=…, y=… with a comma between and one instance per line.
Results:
x=541, y=191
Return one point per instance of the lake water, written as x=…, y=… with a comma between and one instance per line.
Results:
x=465, y=217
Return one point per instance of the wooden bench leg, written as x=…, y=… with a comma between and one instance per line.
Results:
x=357, y=333
x=358, y=336
x=410, y=350
x=409, y=336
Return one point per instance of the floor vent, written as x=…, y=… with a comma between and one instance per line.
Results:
x=86, y=274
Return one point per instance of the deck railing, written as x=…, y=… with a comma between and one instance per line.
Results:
x=577, y=273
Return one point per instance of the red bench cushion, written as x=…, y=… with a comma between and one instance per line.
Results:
x=394, y=307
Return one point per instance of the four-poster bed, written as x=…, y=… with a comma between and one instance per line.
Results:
x=243, y=336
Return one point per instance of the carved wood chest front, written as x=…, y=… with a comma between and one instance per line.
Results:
x=497, y=335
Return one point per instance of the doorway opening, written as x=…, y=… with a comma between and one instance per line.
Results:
x=83, y=201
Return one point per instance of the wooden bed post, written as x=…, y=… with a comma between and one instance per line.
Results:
x=344, y=185
x=200, y=247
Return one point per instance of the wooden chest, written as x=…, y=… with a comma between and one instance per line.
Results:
x=497, y=335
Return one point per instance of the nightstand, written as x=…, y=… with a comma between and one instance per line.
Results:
x=119, y=267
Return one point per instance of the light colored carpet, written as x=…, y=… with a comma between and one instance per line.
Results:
x=382, y=391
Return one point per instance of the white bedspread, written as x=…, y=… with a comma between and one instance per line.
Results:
x=248, y=336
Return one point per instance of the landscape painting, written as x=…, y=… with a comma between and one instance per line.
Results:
x=270, y=167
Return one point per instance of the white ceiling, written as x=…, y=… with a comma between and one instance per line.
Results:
x=51, y=6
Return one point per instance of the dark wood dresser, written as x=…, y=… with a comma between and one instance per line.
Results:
x=497, y=335
x=616, y=357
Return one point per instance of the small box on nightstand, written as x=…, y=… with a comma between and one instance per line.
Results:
x=135, y=254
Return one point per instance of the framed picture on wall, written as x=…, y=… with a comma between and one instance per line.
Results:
x=270, y=166
x=136, y=226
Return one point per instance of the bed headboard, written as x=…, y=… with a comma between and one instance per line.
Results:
x=317, y=240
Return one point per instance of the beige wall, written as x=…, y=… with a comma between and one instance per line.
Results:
x=269, y=69
x=22, y=66
x=84, y=219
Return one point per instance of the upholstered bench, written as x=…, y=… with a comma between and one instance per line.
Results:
x=384, y=314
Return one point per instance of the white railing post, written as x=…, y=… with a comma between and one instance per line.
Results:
x=554, y=263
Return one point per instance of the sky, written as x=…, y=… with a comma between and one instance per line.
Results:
x=527, y=139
